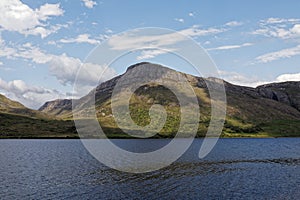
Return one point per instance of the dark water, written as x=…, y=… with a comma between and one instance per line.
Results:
x=235, y=169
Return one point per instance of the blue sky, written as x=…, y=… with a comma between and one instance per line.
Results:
x=44, y=43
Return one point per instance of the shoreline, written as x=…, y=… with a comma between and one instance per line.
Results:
x=130, y=138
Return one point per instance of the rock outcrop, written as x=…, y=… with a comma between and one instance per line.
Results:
x=286, y=93
x=57, y=107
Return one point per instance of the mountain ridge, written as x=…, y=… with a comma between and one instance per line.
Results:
x=270, y=110
x=267, y=91
x=249, y=110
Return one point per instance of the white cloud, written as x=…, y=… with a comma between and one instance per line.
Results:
x=156, y=44
x=239, y=79
x=2, y=42
x=227, y=47
x=195, y=31
x=179, y=20
x=279, y=28
x=108, y=31
x=51, y=42
x=31, y=96
x=19, y=17
x=43, y=32
x=83, y=38
x=233, y=23
x=35, y=54
x=89, y=3
x=261, y=31
x=25, y=51
x=4, y=68
x=48, y=10
x=252, y=81
x=6, y=52
x=191, y=14
x=275, y=32
x=207, y=42
x=273, y=20
x=128, y=41
x=284, y=53
x=62, y=67
x=151, y=53
x=102, y=37
x=288, y=77
x=296, y=29
x=65, y=69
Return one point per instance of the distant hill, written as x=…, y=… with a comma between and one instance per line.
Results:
x=17, y=121
x=268, y=110
x=57, y=107
x=13, y=107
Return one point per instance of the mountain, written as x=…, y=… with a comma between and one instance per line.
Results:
x=57, y=107
x=268, y=110
x=17, y=121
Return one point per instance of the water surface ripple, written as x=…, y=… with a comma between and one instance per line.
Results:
x=235, y=169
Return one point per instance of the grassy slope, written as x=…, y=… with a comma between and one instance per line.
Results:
x=252, y=118
x=245, y=124
x=12, y=107
x=17, y=121
x=16, y=126
x=247, y=116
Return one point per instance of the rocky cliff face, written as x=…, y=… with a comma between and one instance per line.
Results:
x=57, y=107
x=286, y=93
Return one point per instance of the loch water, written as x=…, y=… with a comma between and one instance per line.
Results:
x=235, y=169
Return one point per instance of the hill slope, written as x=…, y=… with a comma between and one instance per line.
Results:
x=57, y=107
x=13, y=107
x=268, y=110
x=17, y=121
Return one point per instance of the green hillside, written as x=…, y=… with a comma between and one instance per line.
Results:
x=17, y=121
x=266, y=111
x=251, y=112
